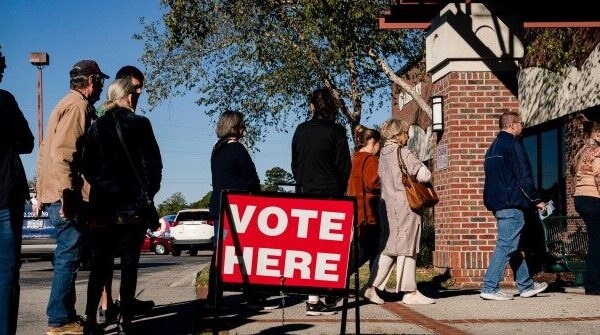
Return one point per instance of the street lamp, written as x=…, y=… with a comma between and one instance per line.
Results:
x=39, y=60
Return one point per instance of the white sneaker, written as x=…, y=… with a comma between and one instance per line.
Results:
x=498, y=296
x=371, y=295
x=417, y=298
x=537, y=288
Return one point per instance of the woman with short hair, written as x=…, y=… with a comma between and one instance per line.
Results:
x=402, y=228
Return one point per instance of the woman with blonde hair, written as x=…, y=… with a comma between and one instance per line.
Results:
x=364, y=185
x=402, y=227
x=121, y=161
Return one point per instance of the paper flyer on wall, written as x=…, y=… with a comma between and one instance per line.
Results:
x=549, y=210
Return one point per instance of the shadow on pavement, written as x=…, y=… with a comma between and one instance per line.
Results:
x=173, y=319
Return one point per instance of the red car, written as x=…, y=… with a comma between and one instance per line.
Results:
x=157, y=244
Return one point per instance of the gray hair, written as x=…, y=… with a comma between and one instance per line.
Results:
x=392, y=127
x=117, y=91
x=230, y=124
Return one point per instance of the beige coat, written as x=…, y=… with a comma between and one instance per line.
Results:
x=59, y=159
x=402, y=231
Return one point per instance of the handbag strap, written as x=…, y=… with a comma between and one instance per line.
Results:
x=135, y=171
x=364, y=188
x=403, y=168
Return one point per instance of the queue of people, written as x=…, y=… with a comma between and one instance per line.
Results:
x=98, y=172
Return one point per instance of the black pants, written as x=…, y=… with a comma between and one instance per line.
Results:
x=108, y=242
x=589, y=210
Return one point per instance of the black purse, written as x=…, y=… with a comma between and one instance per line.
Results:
x=148, y=214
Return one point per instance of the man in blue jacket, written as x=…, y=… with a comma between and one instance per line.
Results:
x=508, y=190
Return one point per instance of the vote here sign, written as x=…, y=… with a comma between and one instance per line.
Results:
x=306, y=241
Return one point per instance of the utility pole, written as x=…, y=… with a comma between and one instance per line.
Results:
x=39, y=60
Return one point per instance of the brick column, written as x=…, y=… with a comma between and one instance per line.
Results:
x=465, y=231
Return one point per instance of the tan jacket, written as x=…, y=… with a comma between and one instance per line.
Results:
x=59, y=160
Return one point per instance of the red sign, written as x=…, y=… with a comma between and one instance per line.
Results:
x=305, y=241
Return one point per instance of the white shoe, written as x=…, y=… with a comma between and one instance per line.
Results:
x=416, y=298
x=371, y=295
x=537, y=288
x=498, y=296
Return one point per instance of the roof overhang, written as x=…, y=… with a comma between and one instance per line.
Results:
x=407, y=14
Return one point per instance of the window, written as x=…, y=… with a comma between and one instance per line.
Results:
x=545, y=145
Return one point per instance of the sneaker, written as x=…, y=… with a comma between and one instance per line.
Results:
x=317, y=309
x=263, y=304
x=92, y=329
x=108, y=315
x=371, y=295
x=417, y=298
x=71, y=328
x=498, y=295
x=537, y=288
x=332, y=300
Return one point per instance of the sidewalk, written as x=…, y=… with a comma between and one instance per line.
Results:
x=459, y=311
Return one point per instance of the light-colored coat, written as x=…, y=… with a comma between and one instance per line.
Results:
x=402, y=231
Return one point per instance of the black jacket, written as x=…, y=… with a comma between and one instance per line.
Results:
x=508, y=177
x=321, y=158
x=15, y=139
x=232, y=169
x=114, y=186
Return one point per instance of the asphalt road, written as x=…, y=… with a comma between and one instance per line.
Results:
x=167, y=280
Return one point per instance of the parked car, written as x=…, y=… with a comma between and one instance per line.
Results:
x=39, y=234
x=191, y=230
x=157, y=244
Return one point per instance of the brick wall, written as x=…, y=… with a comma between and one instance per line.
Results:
x=465, y=232
x=574, y=140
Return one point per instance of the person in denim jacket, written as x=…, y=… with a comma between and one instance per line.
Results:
x=508, y=190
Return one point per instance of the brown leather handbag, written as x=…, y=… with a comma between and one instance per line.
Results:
x=419, y=195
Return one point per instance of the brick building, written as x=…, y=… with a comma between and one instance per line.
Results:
x=473, y=60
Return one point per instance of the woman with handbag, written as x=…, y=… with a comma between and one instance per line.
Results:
x=364, y=185
x=401, y=225
x=122, y=163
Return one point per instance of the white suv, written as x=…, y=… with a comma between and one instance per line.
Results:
x=191, y=230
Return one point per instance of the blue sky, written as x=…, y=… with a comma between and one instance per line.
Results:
x=70, y=31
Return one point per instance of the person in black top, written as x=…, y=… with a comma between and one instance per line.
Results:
x=117, y=197
x=15, y=139
x=232, y=169
x=321, y=164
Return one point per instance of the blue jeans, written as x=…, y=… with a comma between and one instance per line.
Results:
x=510, y=224
x=61, y=305
x=11, y=225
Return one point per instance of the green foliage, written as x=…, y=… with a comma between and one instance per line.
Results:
x=202, y=203
x=276, y=176
x=557, y=49
x=425, y=255
x=263, y=57
x=172, y=205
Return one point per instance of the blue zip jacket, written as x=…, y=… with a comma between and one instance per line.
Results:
x=508, y=178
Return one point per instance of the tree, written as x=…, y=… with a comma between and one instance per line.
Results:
x=264, y=57
x=202, y=203
x=276, y=176
x=172, y=205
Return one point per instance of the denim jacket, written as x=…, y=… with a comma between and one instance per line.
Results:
x=508, y=177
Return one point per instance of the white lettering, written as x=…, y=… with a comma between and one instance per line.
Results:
x=327, y=225
x=323, y=265
x=242, y=224
x=282, y=221
x=304, y=215
x=263, y=262
x=297, y=260
x=231, y=258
